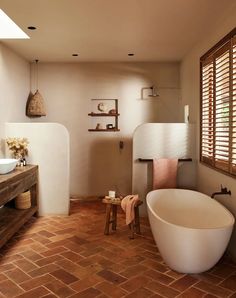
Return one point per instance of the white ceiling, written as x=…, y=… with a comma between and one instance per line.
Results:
x=107, y=30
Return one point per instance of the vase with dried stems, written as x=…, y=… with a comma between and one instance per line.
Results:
x=18, y=148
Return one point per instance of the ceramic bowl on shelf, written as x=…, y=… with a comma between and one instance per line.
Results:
x=102, y=107
x=7, y=165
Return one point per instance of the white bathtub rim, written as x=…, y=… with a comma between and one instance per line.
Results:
x=230, y=225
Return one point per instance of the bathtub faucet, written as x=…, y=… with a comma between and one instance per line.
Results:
x=223, y=191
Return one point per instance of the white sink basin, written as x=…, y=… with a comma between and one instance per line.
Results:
x=7, y=165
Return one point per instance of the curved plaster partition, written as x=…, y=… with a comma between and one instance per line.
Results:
x=162, y=140
x=49, y=149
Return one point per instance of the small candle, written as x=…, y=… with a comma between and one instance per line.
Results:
x=112, y=193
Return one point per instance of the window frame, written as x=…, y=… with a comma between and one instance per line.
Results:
x=209, y=57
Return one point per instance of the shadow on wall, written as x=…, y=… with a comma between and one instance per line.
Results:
x=2, y=148
x=106, y=167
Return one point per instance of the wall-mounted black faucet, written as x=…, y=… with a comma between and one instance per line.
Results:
x=223, y=191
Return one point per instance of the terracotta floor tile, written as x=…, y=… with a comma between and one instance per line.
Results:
x=31, y=255
x=102, y=296
x=208, y=277
x=174, y=274
x=43, y=270
x=111, y=276
x=229, y=283
x=70, y=266
x=140, y=293
x=73, y=258
x=54, y=244
x=212, y=289
x=37, y=281
x=161, y=289
x=110, y=289
x=85, y=283
x=73, y=247
x=64, y=276
x=41, y=239
x=183, y=283
x=6, y=267
x=37, y=292
x=89, y=293
x=155, y=265
x=3, y=277
x=223, y=270
x=135, y=283
x=48, y=260
x=160, y=277
x=134, y=270
x=10, y=289
x=25, y=265
x=46, y=234
x=54, y=251
x=59, y=289
x=65, y=231
x=192, y=293
x=17, y=275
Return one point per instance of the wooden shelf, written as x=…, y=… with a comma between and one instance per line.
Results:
x=11, y=185
x=12, y=219
x=102, y=130
x=103, y=115
x=105, y=123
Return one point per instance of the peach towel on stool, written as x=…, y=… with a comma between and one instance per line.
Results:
x=164, y=173
x=127, y=204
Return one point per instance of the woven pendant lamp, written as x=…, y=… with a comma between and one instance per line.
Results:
x=35, y=106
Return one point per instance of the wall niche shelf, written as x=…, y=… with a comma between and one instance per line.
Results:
x=104, y=108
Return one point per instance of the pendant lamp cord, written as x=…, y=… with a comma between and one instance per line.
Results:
x=36, y=61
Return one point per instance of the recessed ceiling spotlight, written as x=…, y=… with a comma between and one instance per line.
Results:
x=75, y=55
x=131, y=54
x=32, y=28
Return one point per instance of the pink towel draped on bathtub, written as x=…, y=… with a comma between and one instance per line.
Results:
x=164, y=173
x=127, y=204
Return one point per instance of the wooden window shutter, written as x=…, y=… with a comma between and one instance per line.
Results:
x=222, y=107
x=207, y=112
x=218, y=105
x=233, y=163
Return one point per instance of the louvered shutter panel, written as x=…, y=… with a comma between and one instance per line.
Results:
x=207, y=113
x=222, y=108
x=233, y=166
x=218, y=105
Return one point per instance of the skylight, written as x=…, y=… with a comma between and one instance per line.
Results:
x=9, y=30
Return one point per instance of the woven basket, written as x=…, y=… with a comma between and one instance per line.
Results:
x=23, y=201
x=35, y=105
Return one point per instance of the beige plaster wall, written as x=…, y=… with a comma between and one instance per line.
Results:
x=14, y=89
x=97, y=163
x=208, y=180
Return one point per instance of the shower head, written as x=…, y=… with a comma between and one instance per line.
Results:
x=154, y=92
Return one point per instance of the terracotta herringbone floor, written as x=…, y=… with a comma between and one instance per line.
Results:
x=70, y=257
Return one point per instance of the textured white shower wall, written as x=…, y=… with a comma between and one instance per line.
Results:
x=163, y=140
x=49, y=149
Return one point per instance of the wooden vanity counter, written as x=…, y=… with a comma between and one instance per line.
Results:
x=11, y=185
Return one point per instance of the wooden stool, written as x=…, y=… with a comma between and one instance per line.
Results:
x=111, y=216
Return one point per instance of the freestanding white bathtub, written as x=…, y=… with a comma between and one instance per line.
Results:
x=191, y=230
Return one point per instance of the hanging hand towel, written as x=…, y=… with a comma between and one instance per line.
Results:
x=127, y=204
x=164, y=173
